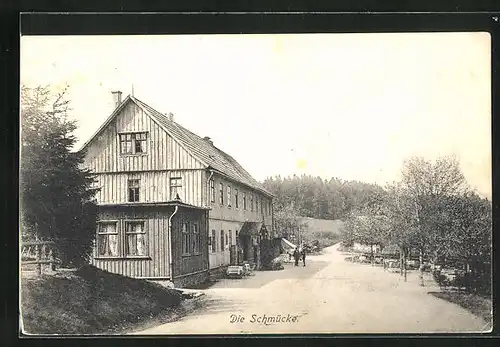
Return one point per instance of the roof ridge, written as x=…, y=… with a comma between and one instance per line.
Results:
x=232, y=168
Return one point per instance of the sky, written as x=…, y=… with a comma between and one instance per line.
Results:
x=352, y=106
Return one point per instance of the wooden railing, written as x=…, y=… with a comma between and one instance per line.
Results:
x=39, y=253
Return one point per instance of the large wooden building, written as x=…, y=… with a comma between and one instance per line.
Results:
x=148, y=166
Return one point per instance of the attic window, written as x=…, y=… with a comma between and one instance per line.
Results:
x=133, y=143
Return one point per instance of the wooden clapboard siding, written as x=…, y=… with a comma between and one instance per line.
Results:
x=156, y=225
x=233, y=214
x=184, y=265
x=154, y=186
x=168, y=157
x=163, y=152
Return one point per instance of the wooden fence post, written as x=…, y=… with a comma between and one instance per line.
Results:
x=421, y=267
x=38, y=250
x=52, y=259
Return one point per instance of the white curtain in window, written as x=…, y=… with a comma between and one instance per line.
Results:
x=132, y=244
x=136, y=239
x=128, y=147
x=103, y=244
x=174, y=191
x=113, y=245
x=143, y=146
x=141, y=244
x=108, y=240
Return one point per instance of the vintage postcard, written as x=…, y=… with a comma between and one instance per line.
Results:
x=256, y=184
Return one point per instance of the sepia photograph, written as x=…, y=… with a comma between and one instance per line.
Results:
x=232, y=184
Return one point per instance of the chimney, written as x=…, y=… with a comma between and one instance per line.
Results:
x=117, y=97
x=206, y=138
x=171, y=116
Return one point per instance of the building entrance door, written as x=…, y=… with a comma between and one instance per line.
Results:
x=233, y=255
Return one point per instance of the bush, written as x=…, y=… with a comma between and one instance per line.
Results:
x=274, y=265
x=473, y=283
x=440, y=279
x=344, y=248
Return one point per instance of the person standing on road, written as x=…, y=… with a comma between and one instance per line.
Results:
x=296, y=256
x=303, y=254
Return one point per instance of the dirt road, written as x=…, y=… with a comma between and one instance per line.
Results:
x=329, y=295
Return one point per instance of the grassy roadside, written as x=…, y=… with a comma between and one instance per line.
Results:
x=477, y=305
x=327, y=232
x=93, y=301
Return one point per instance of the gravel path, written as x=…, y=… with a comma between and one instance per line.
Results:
x=329, y=295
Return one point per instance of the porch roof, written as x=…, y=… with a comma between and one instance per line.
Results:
x=154, y=204
x=251, y=228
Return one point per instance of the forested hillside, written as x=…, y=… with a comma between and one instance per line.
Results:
x=317, y=198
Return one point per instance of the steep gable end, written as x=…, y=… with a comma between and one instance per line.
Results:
x=155, y=149
x=205, y=151
x=169, y=146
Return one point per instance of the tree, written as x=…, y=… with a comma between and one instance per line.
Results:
x=402, y=227
x=469, y=223
x=431, y=186
x=448, y=221
x=55, y=193
x=287, y=220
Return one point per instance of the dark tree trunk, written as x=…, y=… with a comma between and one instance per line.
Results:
x=401, y=260
x=421, y=267
x=404, y=263
x=371, y=254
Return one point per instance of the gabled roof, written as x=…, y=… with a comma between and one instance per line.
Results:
x=106, y=122
x=206, y=152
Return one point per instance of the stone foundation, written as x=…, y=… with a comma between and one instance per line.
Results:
x=217, y=273
x=191, y=280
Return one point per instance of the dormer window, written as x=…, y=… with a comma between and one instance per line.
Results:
x=133, y=143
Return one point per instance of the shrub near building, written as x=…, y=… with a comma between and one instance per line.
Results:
x=55, y=193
